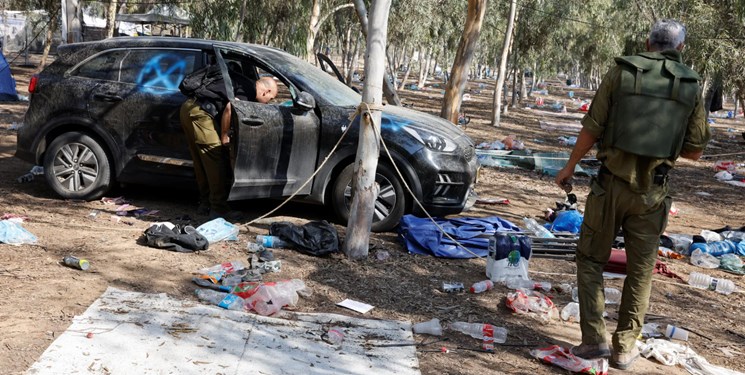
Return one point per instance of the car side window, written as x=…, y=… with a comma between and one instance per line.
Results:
x=158, y=70
x=104, y=66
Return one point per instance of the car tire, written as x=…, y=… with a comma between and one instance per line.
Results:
x=77, y=167
x=389, y=206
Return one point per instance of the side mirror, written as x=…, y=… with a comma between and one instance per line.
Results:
x=305, y=101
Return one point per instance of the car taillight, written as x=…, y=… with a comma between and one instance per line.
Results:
x=32, y=84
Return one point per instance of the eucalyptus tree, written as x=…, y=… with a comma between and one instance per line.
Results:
x=497, y=102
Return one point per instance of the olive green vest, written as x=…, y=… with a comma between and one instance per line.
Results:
x=651, y=106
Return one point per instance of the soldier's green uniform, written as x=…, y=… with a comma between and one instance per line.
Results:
x=631, y=191
x=208, y=154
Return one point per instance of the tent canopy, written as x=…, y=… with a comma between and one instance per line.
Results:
x=164, y=14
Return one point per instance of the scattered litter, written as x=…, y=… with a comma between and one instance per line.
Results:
x=359, y=307
x=93, y=214
x=493, y=201
x=13, y=233
x=431, y=327
x=334, y=336
x=668, y=253
x=14, y=217
x=723, y=176
x=218, y=230
x=676, y=333
x=508, y=257
x=563, y=358
x=37, y=170
x=671, y=354
x=171, y=237
x=75, y=262
x=452, y=287
x=567, y=141
x=532, y=303
x=570, y=312
x=113, y=201
x=317, y=238
x=131, y=211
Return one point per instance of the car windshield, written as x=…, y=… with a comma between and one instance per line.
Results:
x=316, y=80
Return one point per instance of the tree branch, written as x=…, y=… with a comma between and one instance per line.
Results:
x=317, y=26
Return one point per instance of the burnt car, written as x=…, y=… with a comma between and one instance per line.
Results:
x=107, y=112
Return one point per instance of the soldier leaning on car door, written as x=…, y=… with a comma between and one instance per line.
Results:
x=208, y=139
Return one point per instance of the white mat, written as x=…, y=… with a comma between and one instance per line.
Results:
x=136, y=333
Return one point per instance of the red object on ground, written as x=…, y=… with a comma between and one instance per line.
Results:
x=617, y=264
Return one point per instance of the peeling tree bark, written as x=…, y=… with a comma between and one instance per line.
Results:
x=503, y=65
x=110, y=19
x=365, y=190
x=462, y=62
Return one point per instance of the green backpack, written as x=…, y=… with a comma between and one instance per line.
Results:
x=652, y=104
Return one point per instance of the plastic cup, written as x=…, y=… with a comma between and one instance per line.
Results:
x=676, y=333
x=431, y=327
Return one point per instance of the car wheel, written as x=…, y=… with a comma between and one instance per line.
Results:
x=76, y=167
x=389, y=206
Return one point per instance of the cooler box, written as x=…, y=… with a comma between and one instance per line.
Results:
x=508, y=257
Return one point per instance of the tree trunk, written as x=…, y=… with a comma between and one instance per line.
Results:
x=425, y=69
x=390, y=93
x=310, y=39
x=434, y=59
x=73, y=17
x=503, y=65
x=242, y=16
x=51, y=29
x=392, y=71
x=110, y=19
x=365, y=190
x=406, y=73
x=457, y=83
x=353, y=62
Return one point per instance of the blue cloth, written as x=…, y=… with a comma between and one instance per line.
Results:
x=421, y=236
x=566, y=221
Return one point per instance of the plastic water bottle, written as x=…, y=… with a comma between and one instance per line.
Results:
x=480, y=331
x=482, y=286
x=717, y=248
x=227, y=267
x=704, y=281
x=272, y=241
x=515, y=283
x=612, y=295
x=537, y=229
x=570, y=312
x=224, y=300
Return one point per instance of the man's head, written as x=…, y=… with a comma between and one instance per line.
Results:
x=666, y=34
x=266, y=89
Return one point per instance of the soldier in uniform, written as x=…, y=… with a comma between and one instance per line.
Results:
x=647, y=112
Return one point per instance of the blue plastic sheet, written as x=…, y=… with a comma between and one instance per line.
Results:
x=13, y=233
x=421, y=236
x=566, y=221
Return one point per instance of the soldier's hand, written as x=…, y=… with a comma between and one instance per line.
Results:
x=564, y=178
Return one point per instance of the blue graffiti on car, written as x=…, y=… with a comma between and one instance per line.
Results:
x=162, y=73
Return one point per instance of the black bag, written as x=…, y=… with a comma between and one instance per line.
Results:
x=182, y=240
x=315, y=238
x=196, y=82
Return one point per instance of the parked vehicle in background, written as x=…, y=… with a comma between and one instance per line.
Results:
x=107, y=112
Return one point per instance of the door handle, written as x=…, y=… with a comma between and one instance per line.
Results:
x=252, y=121
x=107, y=97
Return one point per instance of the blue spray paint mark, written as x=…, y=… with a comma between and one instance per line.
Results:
x=162, y=74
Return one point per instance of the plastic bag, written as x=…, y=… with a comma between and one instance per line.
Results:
x=705, y=260
x=731, y=262
x=13, y=233
x=218, y=230
x=563, y=358
x=567, y=221
x=681, y=242
x=533, y=302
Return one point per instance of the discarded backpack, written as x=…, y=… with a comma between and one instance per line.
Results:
x=182, y=240
x=315, y=238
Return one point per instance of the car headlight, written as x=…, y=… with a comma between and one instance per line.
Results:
x=431, y=140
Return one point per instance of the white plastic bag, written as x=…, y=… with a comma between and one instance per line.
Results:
x=13, y=233
x=218, y=230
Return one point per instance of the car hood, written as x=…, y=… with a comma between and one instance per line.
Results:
x=395, y=117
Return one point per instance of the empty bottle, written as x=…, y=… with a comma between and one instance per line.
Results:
x=271, y=241
x=612, y=295
x=537, y=229
x=516, y=283
x=704, y=281
x=482, y=286
x=570, y=312
x=227, y=267
x=480, y=331
x=717, y=248
x=224, y=300
x=430, y=327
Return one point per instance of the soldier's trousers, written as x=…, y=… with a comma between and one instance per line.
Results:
x=611, y=205
x=208, y=154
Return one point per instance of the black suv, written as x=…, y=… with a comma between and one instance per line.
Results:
x=108, y=111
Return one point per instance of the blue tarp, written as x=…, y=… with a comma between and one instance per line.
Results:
x=421, y=236
x=7, y=83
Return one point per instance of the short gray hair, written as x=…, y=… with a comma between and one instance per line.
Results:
x=667, y=34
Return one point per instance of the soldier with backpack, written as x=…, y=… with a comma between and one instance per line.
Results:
x=206, y=117
x=647, y=112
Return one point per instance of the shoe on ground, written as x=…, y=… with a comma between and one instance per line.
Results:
x=586, y=351
x=624, y=361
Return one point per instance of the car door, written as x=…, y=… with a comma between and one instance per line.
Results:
x=275, y=145
x=142, y=106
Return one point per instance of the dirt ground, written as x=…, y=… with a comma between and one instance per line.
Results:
x=40, y=297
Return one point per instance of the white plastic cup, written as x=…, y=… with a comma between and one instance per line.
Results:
x=676, y=333
x=431, y=327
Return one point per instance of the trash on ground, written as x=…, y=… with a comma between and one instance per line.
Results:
x=218, y=230
x=481, y=286
x=334, y=336
x=132, y=211
x=704, y=281
x=452, y=287
x=75, y=262
x=567, y=221
x=704, y=260
x=562, y=357
x=532, y=303
x=171, y=237
x=486, y=332
x=567, y=141
x=676, y=333
x=422, y=236
x=430, y=327
x=113, y=201
x=317, y=238
x=13, y=233
x=508, y=257
x=673, y=354
x=570, y=312
x=491, y=201
x=357, y=306
x=668, y=253
x=517, y=283
x=14, y=217
x=36, y=170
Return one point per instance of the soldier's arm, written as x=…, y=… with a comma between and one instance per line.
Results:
x=697, y=134
x=225, y=124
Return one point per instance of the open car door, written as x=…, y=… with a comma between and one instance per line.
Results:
x=275, y=145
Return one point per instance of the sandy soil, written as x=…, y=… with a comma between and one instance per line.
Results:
x=40, y=297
